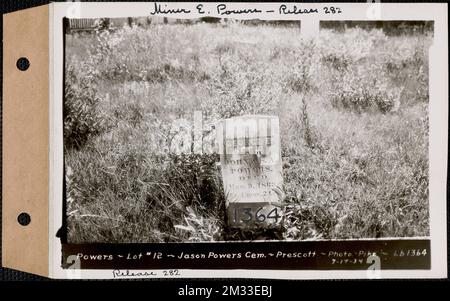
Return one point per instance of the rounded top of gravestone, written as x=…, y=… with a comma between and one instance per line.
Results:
x=246, y=116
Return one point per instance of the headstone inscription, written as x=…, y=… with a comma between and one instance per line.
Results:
x=250, y=157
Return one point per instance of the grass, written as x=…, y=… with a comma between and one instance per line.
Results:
x=353, y=110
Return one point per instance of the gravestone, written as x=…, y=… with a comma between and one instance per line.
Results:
x=250, y=159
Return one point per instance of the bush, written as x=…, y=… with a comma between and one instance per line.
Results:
x=364, y=88
x=82, y=117
x=131, y=112
x=199, y=172
x=124, y=195
x=137, y=54
x=301, y=73
x=409, y=67
x=241, y=85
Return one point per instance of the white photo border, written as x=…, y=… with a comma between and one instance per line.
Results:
x=438, y=135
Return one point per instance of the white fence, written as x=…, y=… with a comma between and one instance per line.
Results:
x=82, y=24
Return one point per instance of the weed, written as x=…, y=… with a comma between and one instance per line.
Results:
x=353, y=124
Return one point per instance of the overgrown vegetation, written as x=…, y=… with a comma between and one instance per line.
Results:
x=353, y=122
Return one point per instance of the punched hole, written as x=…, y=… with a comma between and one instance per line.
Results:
x=23, y=64
x=24, y=219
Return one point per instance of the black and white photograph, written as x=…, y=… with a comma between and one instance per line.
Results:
x=225, y=141
x=220, y=129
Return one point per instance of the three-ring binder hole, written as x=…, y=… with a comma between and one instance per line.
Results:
x=24, y=219
x=23, y=64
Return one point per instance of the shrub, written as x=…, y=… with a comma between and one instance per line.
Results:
x=364, y=88
x=301, y=74
x=138, y=54
x=241, y=85
x=82, y=117
x=409, y=67
x=124, y=195
x=131, y=112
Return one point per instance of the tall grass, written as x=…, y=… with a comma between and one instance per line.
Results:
x=353, y=123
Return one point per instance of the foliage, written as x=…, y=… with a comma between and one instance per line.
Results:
x=82, y=118
x=353, y=123
x=360, y=90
